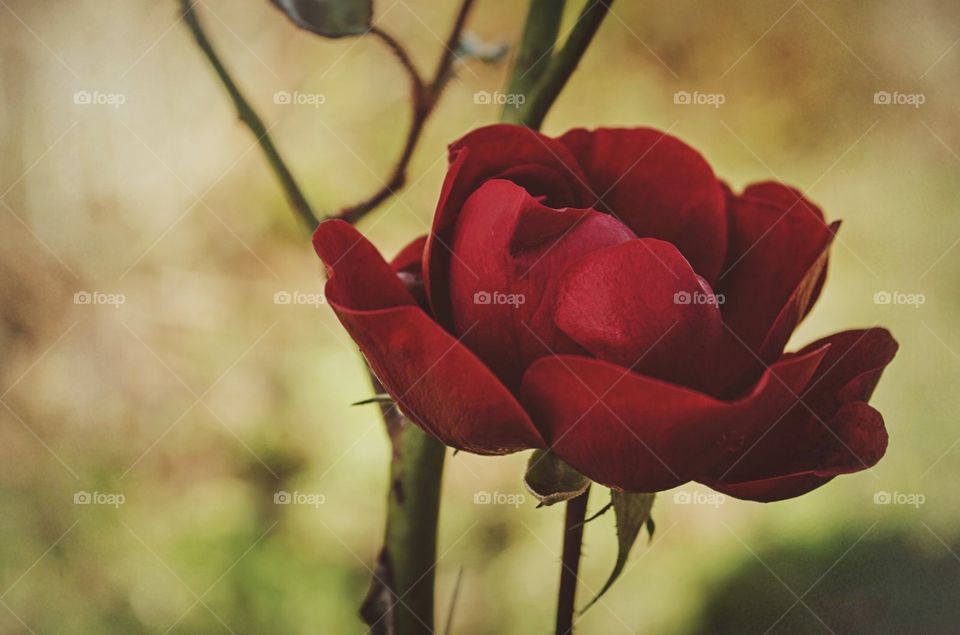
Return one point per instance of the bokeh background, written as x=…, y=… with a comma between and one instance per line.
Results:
x=182, y=397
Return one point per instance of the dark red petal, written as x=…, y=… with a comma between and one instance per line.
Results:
x=439, y=383
x=359, y=277
x=640, y=434
x=640, y=305
x=832, y=431
x=659, y=187
x=510, y=253
x=852, y=440
x=436, y=381
x=780, y=195
x=775, y=266
x=484, y=154
x=410, y=258
x=409, y=267
x=774, y=489
x=553, y=187
x=851, y=369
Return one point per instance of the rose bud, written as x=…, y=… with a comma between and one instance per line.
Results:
x=605, y=296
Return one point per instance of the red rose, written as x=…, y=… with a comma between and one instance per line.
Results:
x=604, y=295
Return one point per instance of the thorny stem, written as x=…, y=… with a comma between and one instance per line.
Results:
x=573, y=523
x=401, y=596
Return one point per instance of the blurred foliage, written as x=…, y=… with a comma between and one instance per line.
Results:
x=879, y=583
x=200, y=398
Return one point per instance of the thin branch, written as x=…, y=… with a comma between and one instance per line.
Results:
x=404, y=57
x=420, y=109
x=424, y=98
x=251, y=119
x=444, y=67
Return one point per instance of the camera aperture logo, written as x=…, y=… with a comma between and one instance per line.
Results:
x=296, y=98
x=698, y=297
x=96, y=98
x=497, y=298
x=499, y=498
x=99, y=298
x=498, y=98
x=99, y=498
x=899, y=498
x=696, y=98
x=299, y=498
x=896, y=98
x=713, y=499
x=298, y=298
x=899, y=298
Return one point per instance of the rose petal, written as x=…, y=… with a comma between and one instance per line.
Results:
x=553, y=187
x=659, y=187
x=774, y=489
x=640, y=305
x=435, y=380
x=833, y=431
x=851, y=369
x=639, y=434
x=409, y=267
x=439, y=383
x=410, y=258
x=484, y=154
x=359, y=277
x=511, y=251
x=775, y=267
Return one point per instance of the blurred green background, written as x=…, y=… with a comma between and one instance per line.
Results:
x=183, y=411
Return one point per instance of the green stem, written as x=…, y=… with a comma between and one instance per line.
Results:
x=252, y=120
x=410, y=542
x=400, y=599
x=562, y=64
x=536, y=47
